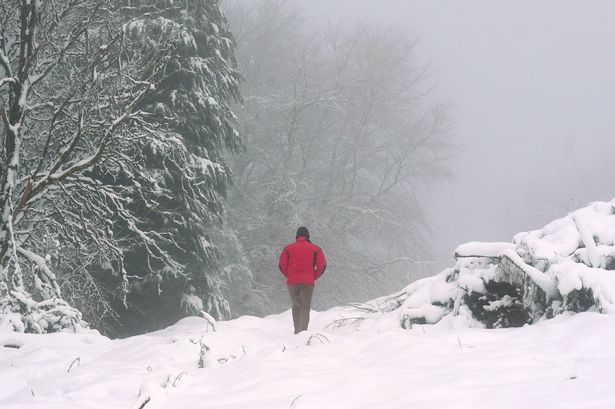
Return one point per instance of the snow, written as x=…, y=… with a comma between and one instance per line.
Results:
x=208, y=167
x=256, y=363
x=431, y=313
x=588, y=239
x=429, y=290
x=421, y=347
x=574, y=276
x=24, y=94
x=538, y=277
x=41, y=262
x=475, y=248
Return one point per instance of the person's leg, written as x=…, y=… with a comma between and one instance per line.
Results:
x=294, y=291
x=305, y=300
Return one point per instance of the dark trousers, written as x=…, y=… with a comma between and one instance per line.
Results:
x=301, y=297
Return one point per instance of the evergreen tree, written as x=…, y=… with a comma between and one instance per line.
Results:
x=178, y=176
x=115, y=116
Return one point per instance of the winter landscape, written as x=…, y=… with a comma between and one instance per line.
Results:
x=559, y=363
x=306, y=204
x=426, y=346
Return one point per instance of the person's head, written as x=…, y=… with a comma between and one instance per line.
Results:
x=303, y=232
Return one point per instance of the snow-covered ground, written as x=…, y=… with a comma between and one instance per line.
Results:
x=361, y=356
x=256, y=363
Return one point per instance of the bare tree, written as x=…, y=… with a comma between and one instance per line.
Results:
x=69, y=102
x=339, y=129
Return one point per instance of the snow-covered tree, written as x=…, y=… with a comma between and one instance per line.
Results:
x=115, y=116
x=339, y=129
x=177, y=176
x=69, y=102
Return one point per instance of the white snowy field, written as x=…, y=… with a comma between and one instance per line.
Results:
x=256, y=363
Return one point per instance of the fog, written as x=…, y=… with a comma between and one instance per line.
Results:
x=530, y=90
x=163, y=174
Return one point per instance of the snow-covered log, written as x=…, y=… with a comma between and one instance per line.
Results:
x=565, y=266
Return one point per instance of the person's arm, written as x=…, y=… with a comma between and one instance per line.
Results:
x=321, y=263
x=283, y=263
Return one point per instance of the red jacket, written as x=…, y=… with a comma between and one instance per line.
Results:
x=302, y=262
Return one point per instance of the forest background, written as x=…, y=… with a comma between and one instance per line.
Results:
x=157, y=155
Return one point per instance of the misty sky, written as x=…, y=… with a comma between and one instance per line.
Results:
x=531, y=85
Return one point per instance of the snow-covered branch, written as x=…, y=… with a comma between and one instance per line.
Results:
x=68, y=107
x=113, y=172
x=7, y=80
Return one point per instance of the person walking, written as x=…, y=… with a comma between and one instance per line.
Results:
x=302, y=263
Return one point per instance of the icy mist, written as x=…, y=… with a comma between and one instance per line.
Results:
x=527, y=109
x=530, y=89
x=194, y=141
